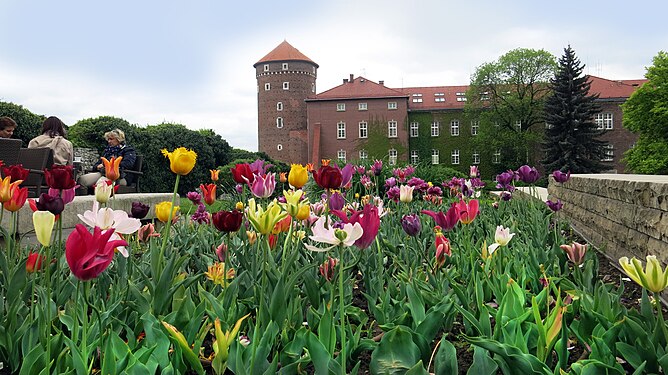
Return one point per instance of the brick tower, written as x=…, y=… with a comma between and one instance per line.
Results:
x=285, y=78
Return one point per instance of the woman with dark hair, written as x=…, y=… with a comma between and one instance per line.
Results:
x=53, y=136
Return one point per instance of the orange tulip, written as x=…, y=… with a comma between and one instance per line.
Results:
x=214, y=174
x=112, y=167
x=17, y=200
x=209, y=193
x=7, y=188
x=283, y=177
x=309, y=167
x=325, y=162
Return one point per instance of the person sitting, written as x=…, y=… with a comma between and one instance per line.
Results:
x=53, y=137
x=116, y=148
x=7, y=127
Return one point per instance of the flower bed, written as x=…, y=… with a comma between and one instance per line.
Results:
x=339, y=270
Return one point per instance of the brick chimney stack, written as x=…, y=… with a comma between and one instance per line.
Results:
x=351, y=78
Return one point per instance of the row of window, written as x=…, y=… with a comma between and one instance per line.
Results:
x=414, y=127
x=341, y=107
x=415, y=159
x=286, y=86
x=284, y=66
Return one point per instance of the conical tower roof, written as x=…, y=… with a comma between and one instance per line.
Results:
x=285, y=52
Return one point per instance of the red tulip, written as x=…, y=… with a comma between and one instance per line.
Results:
x=227, y=221
x=242, y=174
x=34, y=262
x=88, y=255
x=60, y=177
x=328, y=177
x=209, y=193
x=16, y=172
x=467, y=211
x=447, y=220
x=328, y=267
x=442, y=246
x=18, y=199
x=368, y=218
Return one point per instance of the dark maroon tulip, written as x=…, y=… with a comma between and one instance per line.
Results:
x=411, y=224
x=328, y=177
x=16, y=172
x=227, y=221
x=446, y=220
x=47, y=202
x=555, y=206
x=528, y=174
x=242, y=174
x=60, y=177
x=139, y=210
x=560, y=176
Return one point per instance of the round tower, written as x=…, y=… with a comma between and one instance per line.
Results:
x=285, y=78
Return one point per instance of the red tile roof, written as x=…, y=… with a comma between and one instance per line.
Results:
x=359, y=87
x=608, y=89
x=284, y=52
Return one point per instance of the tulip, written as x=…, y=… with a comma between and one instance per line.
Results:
x=575, y=252
x=310, y=167
x=219, y=274
x=15, y=172
x=139, y=210
x=60, y=177
x=264, y=220
x=227, y=221
x=298, y=176
x=214, y=174
x=411, y=224
x=43, y=222
x=345, y=236
x=283, y=177
x=106, y=219
x=336, y=201
x=181, y=160
x=223, y=342
x=221, y=251
x=242, y=174
x=67, y=194
x=393, y=193
x=328, y=177
x=34, y=262
x=554, y=206
x=442, y=246
x=447, y=220
x=467, y=211
x=112, y=167
x=263, y=185
x=473, y=171
x=17, y=200
x=147, y=231
x=252, y=236
x=7, y=187
x=201, y=216
x=194, y=197
x=504, y=180
x=103, y=190
x=162, y=210
x=209, y=192
x=293, y=202
x=88, y=255
x=377, y=167
x=46, y=202
x=501, y=238
x=653, y=278
x=527, y=174
x=406, y=193
x=282, y=226
x=561, y=177
x=328, y=267
x=347, y=175
x=369, y=220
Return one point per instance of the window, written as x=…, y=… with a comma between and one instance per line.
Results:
x=364, y=131
x=341, y=130
x=279, y=122
x=266, y=67
x=279, y=106
x=604, y=121
x=548, y=126
x=391, y=105
x=435, y=126
x=312, y=87
x=362, y=106
x=392, y=129
x=454, y=157
x=414, y=129
x=414, y=157
x=341, y=155
x=439, y=99
x=393, y=156
x=475, y=125
x=461, y=96
x=434, y=156
x=279, y=147
x=286, y=85
x=476, y=157
x=518, y=125
x=267, y=86
x=285, y=66
x=417, y=98
x=454, y=128
x=608, y=153
x=496, y=159
x=341, y=107
x=364, y=155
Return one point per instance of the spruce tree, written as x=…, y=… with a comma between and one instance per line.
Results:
x=571, y=138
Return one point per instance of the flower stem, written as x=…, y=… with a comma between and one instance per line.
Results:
x=169, y=220
x=342, y=312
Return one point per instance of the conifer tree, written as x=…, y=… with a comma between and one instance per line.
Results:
x=571, y=137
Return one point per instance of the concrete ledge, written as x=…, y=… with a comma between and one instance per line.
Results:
x=83, y=203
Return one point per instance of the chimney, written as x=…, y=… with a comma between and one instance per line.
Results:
x=382, y=83
x=345, y=80
x=351, y=78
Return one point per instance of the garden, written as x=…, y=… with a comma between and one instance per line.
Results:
x=337, y=269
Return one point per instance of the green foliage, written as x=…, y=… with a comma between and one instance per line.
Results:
x=377, y=144
x=28, y=124
x=437, y=173
x=646, y=114
x=89, y=132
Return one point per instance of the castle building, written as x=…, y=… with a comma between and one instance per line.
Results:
x=365, y=120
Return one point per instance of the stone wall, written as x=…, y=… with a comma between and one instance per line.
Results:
x=86, y=156
x=622, y=215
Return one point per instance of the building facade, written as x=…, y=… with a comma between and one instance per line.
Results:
x=365, y=120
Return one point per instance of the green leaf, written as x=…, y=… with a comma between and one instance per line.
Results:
x=445, y=361
x=630, y=354
x=419, y=369
x=482, y=364
x=396, y=353
x=319, y=355
x=34, y=362
x=415, y=305
x=512, y=357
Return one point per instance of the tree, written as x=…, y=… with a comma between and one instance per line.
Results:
x=646, y=113
x=90, y=132
x=571, y=138
x=28, y=124
x=507, y=96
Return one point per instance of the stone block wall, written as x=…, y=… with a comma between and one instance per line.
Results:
x=87, y=157
x=622, y=215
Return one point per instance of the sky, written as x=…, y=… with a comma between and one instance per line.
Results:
x=191, y=62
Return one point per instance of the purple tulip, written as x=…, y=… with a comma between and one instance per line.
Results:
x=139, y=210
x=201, y=216
x=239, y=188
x=377, y=167
x=264, y=185
x=560, y=176
x=258, y=167
x=336, y=201
x=50, y=203
x=390, y=182
x=504, y=180
x=194, y=197
x=360, y=169
x=411, y=224
x=555, y=206
x=347, y=174
x=446, y=220
x=528, y=174
x=394, y=193
x=435, y=190
x=506, y=196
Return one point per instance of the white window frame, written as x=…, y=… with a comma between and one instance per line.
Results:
x=362, y=106
x=364, y=155
x=341, y=155
x=392, y=156
x=279, y=122
x=435, y=156
x=608, y=153
x=286, y=85
x=604, y=121
x=312, y=87
x=279, y=106
x=341, y=130
x=435, y=129
x=340, y=107
x=496, y=157
x=284, y=66
x=454, y=128
x=266, y=67
x=454, y=157
x=267, y=86
x=392, y=129
x=279, y=147
x=363, y=129
x=391, y=105
x=475, y=127
x=415, y=157
x=518, y=125
x=476, y=157
x=415, y=129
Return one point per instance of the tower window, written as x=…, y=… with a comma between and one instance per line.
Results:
x=341, y=155
x=391, y=105
x=362, y=106
x=279, y=106
x=364, y=130
x=279, y=147
x=266, y=67
x=414, y=129
x=364, y=155
x=392, y=129
x=286, y=85
x=455, y=157
x=434, y=156
x=392, y=156
x=267, y=86
x=454, y=128
x=279, y=122
x=285, y=66
x=415, y=158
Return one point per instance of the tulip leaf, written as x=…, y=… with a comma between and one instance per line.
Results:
x=396, y=353
x=34, y=362
x=630, y=354
x=277, y=308
x=482, y=364
x=510, y=358
x=326, y=331
x=419, y=369
x=445, y=361
x=319, y=355
x=415, y=305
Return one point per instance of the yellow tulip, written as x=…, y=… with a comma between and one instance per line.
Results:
x=304, y=212
x=252, y=236
x=653, y=278
x=215, y=274
x=222, y=344
x=298, y=176
x=264, y=220
x=239, y=206
x=294, y=205
x=181, y=160
x=43, y=222
x=162, y=211
x=214, y=174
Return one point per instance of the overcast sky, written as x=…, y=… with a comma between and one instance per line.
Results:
x=191, y=62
